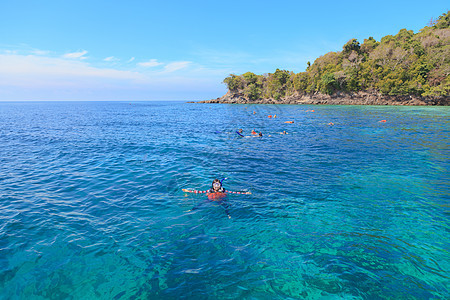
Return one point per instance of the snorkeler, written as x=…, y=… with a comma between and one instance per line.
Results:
x=215, y=190
x=215, y=193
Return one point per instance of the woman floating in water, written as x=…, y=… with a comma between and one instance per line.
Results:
x=215, y=193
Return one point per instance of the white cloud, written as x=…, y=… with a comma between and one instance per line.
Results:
x=130, y=60
x=11, y=51
x=32, y=70
x=75, y=55
x=110, y=58
x=40, y=52
x=44, y=77
x=177, y=65
x=150, y=63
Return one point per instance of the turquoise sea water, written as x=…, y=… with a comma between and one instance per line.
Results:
x=91, y=205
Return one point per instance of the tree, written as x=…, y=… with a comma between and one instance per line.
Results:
x=401, y=64
x=301, y=81
x=352, y=45
x=432, y=22
x=328, y=83
x=403, y=37
x=369, y=45
x=277, y=83
x=443, y=21
x=250, y=77
x=234, y=82
x=252, y=91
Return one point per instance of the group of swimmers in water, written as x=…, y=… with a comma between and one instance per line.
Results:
x=240, y=132
x=217, y=192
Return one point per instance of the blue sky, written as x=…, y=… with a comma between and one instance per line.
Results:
x=177, y=50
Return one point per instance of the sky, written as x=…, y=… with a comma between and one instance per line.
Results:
x=177, y=50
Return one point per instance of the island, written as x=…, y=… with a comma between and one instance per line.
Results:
x=403, y=69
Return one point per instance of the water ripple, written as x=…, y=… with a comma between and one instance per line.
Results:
x=91, y=202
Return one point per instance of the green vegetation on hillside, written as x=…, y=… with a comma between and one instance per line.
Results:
x=403, y=64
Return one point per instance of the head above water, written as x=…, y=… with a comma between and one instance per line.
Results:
x=216, y=185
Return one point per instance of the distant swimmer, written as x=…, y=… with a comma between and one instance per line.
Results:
x=269, y=116
x=331, y=123
x=260, y=134
x=254, y=132
x=274, y=116
x=284, y=132
x=382, y=121
x=289, y=122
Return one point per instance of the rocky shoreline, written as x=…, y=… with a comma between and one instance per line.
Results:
x=360, y=98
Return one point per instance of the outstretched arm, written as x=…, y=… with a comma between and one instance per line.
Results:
x=194, y=191
x=241, y=193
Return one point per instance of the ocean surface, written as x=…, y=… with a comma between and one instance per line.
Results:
x=91, y=205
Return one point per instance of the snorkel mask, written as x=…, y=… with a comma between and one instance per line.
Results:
x=216, y=185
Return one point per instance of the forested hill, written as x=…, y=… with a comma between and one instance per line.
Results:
x=402, y=64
